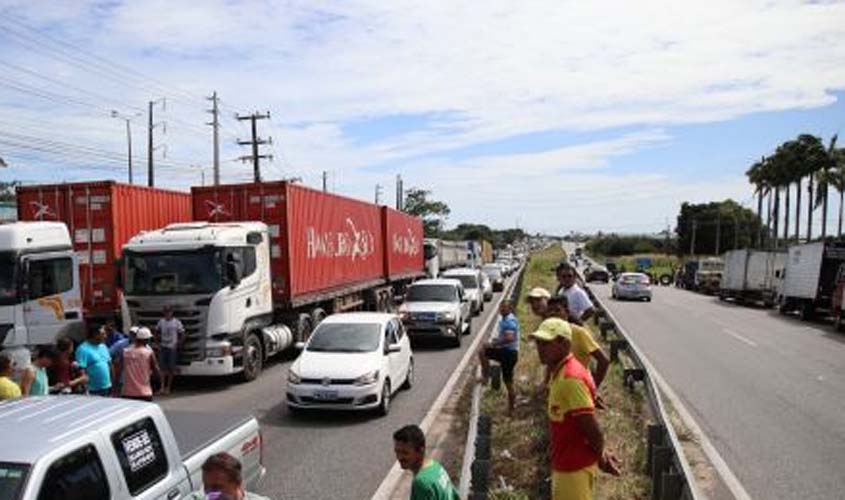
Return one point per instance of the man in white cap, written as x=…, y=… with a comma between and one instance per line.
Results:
x=538, y=300
x=137, y=367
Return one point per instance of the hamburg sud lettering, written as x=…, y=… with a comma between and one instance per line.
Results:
x=406, y=244
x=350, y=243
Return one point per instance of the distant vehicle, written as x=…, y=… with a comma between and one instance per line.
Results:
x=810, y=280
x=471, y=280
x=437, y=308
x=611, y=267
x=353, y=361
x=496, y=276
x=708, y=277
x=486, y=287
x=752, y=276
x=107, y=448
x=688, y=277
x=597, y=274
x=441, y=255
x=579, y=252
x=635, y=286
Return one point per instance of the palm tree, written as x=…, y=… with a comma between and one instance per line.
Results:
x=835, y=177
x=828, y=163
x=757, y=175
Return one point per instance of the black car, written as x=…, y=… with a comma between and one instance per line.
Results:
x=597, y=274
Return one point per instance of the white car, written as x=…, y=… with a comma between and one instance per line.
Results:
x=353, y=361
x=487, y=287
x=471, y=280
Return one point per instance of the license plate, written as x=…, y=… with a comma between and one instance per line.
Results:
x=325, y=395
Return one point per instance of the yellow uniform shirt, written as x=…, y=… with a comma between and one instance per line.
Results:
x=583, y=344
x=8, y=389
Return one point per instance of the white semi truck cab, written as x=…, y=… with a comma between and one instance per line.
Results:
x=217, y=278
x=40, y=297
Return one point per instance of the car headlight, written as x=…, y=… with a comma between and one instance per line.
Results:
x=449, y=316
x=218, y=352
x=367, y=378
x=294, y=378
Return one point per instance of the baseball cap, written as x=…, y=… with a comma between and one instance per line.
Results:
x=539, y=293
x=143, y=333
x=553, y=328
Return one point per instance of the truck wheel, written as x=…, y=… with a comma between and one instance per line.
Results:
x=837, y=322
x=303, y=328
x=253, y=357
x=384, y=405
x=807, y=311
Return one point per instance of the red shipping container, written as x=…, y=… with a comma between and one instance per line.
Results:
x=101, y=217
x=321, y=243
x=403, y=244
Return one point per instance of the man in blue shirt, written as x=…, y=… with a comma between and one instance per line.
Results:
x=504, y=349
x=94, y=360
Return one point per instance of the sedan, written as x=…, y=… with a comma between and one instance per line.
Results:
x=636, y=286
x=353, y=361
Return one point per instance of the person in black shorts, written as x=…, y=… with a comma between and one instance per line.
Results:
x=504, y=349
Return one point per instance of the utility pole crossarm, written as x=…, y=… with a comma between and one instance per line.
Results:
x=255, y=142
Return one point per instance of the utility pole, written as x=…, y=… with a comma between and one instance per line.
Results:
x=718, y=231
x=325, y=181
x=215, y=126
x=151, y=125
x=692, y=241
x=378, y=193
x=255, y=142
x=128, y=120
x=400, y=193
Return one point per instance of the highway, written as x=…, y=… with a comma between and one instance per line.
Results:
x=326, y=455
x=766, y=389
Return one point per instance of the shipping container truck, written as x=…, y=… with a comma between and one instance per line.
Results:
x=752, y=276
x=486, y=252
x=441, y=255
x=101, y=216
x=810, y=277
x=262, y=265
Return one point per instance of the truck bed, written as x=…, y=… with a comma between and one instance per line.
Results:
x=195, y=430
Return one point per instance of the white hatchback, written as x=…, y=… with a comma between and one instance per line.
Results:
x=353, y=361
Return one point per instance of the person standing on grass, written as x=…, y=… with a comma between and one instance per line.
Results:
x=576, y=440
x=431, y=481
x=504, y=349
x=170, y=331
x=538, y=300
x=94, y=360
x=34, y=381
x=8, y=388
x=137, y=365
x=584, y=346
x=580, y=307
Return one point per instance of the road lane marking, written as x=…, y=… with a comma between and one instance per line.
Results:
x=739, y=337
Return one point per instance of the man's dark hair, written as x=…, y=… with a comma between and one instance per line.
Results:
x=564, y=266
x=225, y=463
x=412, y=435
x=5, y=362
x=93, y=332
x=47, y=351
x=64, y=344
x=558, y=301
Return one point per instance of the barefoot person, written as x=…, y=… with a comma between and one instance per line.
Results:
x=504, y=349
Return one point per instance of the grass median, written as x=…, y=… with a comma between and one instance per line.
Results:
x=520, y=443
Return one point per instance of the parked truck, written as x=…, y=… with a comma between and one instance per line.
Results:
x=441, y=255
x=93, y=448
x=810, y=278
x=752, y=276
x=245, y=291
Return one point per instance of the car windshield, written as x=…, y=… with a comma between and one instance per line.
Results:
x=432, y=293
x=197, y=271
x=468, y=281
x=345, y=337
x=8, y=278
x=12, y=479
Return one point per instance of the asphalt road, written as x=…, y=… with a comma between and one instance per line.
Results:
x=768, y=390
x=325, y=455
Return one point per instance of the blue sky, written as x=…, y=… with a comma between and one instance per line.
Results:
x=561, y=115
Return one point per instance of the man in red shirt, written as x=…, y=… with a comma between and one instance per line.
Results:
x=577, y=443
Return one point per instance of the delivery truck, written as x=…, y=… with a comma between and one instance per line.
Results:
x=262, y=265
x=441, y=255
x=752, y=276
x=810, y=277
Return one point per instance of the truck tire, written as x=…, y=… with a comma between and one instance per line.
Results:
x=837, y=322
x=384, y=404
x=303, y=328
x=253, y=357
x=807, y=311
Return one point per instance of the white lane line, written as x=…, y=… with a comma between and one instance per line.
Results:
x=739, y=337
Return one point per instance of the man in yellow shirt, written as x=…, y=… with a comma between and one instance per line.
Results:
x=8, y=388
x=584, y=346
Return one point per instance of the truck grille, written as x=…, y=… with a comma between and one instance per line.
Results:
x=193, y=318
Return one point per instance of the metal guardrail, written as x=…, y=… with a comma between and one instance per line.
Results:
x=667, y=464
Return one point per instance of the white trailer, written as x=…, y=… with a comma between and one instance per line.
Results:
x=752, y=275
x=441, y=255
x=810, y=277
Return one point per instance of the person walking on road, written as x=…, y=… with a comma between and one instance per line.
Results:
x=580, y=307
x=584, y=346
x=64, y=374
x=8, y=388
x=113, y=336
x=504, y=349
x=170, y=331
x=222, y=479
x=576, y=440
x=94, y=360
x=431, y=481
x=34, y=381
x=538, y=300
x=138, y=365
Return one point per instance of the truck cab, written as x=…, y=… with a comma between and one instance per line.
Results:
x=40, y=297
x=216, y=276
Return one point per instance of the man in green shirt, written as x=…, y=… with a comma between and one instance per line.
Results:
x=431, y=481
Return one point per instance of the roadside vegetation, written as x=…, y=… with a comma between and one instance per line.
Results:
x=520, y=443
x=660, y=264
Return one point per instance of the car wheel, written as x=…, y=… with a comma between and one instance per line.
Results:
x=456, y=340
x=648, y=299
x=468, y=331
x=253, y=358
x=384, y=405
x=409, y=377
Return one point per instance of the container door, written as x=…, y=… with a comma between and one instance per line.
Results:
x=52, y=296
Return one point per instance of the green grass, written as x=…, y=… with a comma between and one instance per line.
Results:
x=520, y=443
x=660, y=263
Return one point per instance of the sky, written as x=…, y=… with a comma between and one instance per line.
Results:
x=554, y=116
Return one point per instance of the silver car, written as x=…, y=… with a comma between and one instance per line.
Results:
x=634, y=286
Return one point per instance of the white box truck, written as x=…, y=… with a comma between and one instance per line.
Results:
x=752, y=276
x=809, y=280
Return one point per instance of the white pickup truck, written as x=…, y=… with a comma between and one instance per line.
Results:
x=91, y=448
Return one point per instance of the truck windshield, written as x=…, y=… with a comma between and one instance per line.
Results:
x=469, y=282
x=8, y=278
x=429, y=251
x=170, y=273
x=432, y=293
x=337, y=337
x=12, y=479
